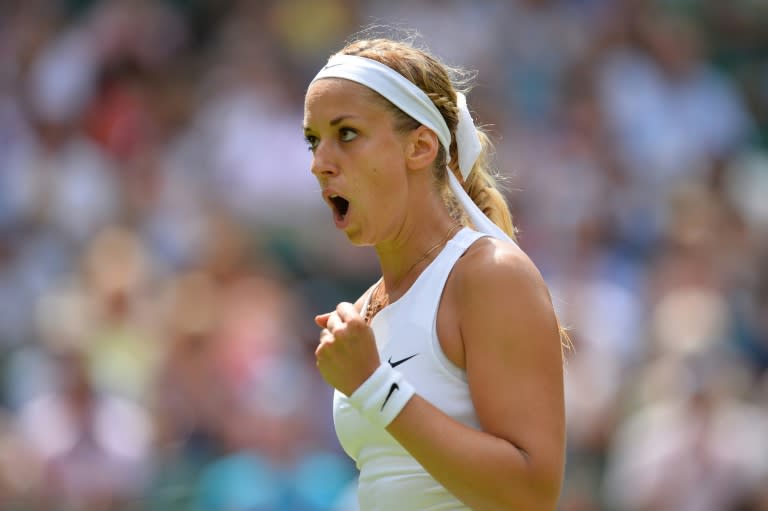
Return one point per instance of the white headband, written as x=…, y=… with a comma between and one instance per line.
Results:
x=409, y=98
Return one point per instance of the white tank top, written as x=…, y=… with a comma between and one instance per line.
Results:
x=406, y=335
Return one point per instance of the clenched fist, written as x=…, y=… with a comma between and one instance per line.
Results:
x=346, y=355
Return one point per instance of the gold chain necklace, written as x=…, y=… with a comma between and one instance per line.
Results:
x=379, y=296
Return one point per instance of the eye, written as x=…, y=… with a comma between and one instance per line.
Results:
x=311, y=141
x=347, y=134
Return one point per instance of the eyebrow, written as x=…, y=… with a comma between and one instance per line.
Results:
x=335, y=121
x=339, y=119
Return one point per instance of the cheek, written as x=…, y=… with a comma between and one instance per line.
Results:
x=386, y=191
x=385, y=179
x=382, y=176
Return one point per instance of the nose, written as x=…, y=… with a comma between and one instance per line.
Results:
x=323, y=161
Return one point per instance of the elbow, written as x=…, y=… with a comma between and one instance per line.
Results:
x=541, y=497
x=545, y=494
x=543, y=486
x=538, y=490
x=531, y=494
x=536, y=496
x=521, y=480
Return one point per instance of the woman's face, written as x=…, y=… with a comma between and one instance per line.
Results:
x=358, y=159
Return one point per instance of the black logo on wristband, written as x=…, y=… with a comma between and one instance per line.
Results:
x=392, y=389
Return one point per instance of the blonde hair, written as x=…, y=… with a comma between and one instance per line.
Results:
x=435, y=79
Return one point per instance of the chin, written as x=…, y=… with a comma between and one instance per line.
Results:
x=357, y=241
x=355, y=237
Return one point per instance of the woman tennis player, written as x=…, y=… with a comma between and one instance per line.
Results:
x=448, y=370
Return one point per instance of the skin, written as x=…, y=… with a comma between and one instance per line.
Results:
x=508, y=342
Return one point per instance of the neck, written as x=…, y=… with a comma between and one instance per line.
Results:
x=403, y=259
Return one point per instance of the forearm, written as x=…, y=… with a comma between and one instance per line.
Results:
x=484, y=471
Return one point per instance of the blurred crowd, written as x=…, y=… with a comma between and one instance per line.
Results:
x=163, y=246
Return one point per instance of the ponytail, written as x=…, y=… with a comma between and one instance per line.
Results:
x=482, y=188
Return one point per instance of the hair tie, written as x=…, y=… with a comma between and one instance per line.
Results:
x=467, y=142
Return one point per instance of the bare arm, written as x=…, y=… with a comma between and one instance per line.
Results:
x=514, y=369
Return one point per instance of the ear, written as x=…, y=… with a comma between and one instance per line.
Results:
x=421, y=149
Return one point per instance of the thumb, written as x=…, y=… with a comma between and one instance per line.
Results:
x=322, y=319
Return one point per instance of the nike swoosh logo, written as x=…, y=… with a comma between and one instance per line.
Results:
x=406, y=359
x=331, y=65
x=392, y=390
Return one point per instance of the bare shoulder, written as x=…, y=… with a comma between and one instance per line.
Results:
x=503, y=303
x=492, y=269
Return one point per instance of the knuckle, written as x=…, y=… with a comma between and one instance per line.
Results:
x=323, y=347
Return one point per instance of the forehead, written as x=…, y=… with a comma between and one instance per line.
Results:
x=330, y=96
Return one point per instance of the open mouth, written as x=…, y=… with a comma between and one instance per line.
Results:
x=340, y=206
